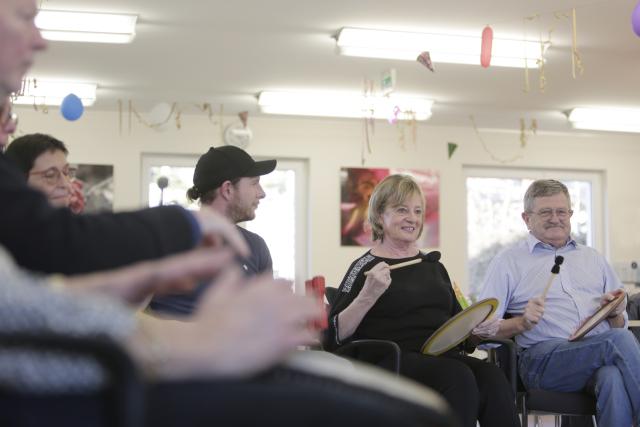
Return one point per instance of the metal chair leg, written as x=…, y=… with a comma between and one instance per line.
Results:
x=525, y=415
x=558, y=419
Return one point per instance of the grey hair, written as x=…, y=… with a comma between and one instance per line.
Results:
x=544, y=188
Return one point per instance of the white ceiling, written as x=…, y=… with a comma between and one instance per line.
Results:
x=225, y=52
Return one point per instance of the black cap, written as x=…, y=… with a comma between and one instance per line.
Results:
x=227, y=163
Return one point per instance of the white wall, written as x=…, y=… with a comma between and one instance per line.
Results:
x=329, y=145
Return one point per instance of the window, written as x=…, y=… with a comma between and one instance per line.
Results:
x=280, y=219
x=494, y=208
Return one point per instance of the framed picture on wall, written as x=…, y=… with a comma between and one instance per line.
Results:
x=356, y=187
x=95, y=182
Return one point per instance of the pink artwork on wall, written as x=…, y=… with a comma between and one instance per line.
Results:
x=357, y=185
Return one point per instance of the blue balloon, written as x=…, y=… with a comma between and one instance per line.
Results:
x=71, y=107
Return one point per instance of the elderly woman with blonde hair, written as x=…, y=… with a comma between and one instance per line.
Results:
x=408, y=304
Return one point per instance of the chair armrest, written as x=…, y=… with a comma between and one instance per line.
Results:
x=351, y=349
x=123, y=375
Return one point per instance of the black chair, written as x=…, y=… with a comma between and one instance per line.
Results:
x=541, y=402
x=368, y=350
x=121, y=401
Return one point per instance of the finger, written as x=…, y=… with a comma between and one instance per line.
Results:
x=224, y=289
x=213, y=224
x=198, y=263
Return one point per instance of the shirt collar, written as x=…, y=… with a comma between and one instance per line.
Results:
x=533, y=242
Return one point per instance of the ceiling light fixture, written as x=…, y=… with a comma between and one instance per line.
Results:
x=443, y=48
x=606, y=119
x=43, y=92
x=59, y=25
x=345, y=104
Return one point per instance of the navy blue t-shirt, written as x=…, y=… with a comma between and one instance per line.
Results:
x=258, y=262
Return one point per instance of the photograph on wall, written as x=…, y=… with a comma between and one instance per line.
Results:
x=356, y=187
x=95, y=185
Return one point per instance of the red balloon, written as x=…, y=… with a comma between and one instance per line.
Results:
x=487, y=41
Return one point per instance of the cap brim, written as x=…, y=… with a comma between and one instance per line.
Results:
x=262, y=167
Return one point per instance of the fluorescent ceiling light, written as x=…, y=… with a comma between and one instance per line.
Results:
x=72, y=26
x=443, y=48
x=53, y=92
x=607, y=119
x=345, y=104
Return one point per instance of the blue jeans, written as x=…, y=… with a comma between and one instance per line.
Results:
x=607, y=364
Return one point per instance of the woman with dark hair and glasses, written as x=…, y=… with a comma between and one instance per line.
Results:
x=43, y=160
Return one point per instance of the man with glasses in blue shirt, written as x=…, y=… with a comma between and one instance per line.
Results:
x=606, y=362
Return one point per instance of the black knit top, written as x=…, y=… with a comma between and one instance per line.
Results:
x=418, y=301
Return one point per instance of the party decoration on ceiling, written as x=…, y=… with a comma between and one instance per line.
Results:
x=425, y=59
x=369, y=123
x=576, y=61
x=451, y=148
x=244, y=117
x=485, y=51
x=635, y=19
x=238, y=133
x=394, y=119
x=162, y=113
x=533, y=129
x=71, y=107
x=403, y=125
x=388, y=82
x=523, y=140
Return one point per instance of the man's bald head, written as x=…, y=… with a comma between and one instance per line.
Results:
x=19, y=41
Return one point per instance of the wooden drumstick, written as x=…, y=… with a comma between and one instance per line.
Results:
x=554, y=272
x=399, y=265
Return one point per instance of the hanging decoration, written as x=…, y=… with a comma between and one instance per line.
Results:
x=523, y=140
x=527, y=85
x=162, y=113
x=394, y=119
x=403, y=125
x=425, y=59
x=244, y=118
x=388, y=82
x=71, y=107
x=158, y=116
x=485, y=51
x=369, y=122
x=451, y=148
x=635, y=19
x=544, y=46
x=576, y=61
x=524, y=131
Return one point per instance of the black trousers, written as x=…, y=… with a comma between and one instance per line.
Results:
x=475, y=390
x=280, y=398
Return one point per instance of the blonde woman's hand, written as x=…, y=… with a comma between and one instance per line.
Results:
x=377, y=281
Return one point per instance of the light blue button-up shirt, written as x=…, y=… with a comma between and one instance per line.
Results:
x=522, y=271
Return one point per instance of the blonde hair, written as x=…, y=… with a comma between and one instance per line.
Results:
x=391, y=191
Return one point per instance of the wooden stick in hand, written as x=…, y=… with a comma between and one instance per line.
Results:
x=400, y=265
x=554, y=272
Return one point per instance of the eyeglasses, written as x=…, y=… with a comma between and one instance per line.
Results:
x=548, y=213
x=53, y=175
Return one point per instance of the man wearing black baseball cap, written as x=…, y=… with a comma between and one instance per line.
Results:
x=226, y=179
